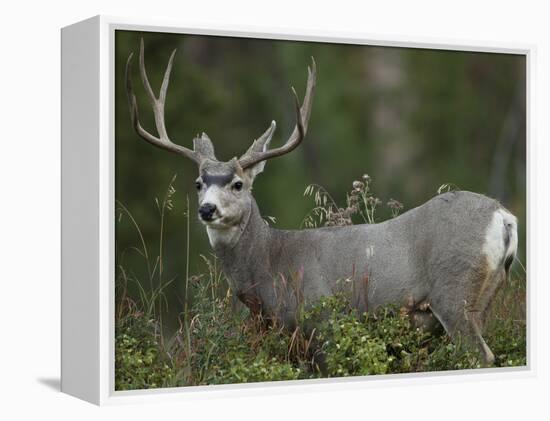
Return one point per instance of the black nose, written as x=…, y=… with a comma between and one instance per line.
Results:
x=206, y=211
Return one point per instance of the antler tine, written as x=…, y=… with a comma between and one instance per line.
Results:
x=302, y=119
x=162, y=141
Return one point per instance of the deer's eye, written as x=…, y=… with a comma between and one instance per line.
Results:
x=198, y=185
x=238, y=185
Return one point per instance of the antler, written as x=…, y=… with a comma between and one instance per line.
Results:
x=257, y=152
x=162, y=141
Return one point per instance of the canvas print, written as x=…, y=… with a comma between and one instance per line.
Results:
x=292, y=210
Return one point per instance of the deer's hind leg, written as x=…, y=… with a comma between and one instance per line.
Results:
x=486, y=296
x=478, y=310
x=461, y=305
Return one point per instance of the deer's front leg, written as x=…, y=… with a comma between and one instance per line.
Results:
x=252, y=301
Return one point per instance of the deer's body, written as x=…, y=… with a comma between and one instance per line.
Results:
x=451, y=264
x=443, y=259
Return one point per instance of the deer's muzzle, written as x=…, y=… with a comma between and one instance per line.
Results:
x=207, y=211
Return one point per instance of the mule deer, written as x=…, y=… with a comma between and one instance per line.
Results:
x=445, y=258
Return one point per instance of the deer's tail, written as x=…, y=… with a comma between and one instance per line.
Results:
x=501, y=240
x=510, y=238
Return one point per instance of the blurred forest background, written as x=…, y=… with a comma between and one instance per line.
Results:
x=413, y=119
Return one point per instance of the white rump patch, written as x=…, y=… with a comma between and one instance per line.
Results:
x=502, y=225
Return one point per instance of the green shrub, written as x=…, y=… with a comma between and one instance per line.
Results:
x=139, y=363
x=406, y=345
x=346, y=345
x=231, y=347
x=259, y=369
x=506, y=325
x=221, y=345
x=508, y=341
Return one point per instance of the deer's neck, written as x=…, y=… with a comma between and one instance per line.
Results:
x=244, y=251
x=236, y=240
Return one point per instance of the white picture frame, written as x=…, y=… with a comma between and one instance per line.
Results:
x=88, y=214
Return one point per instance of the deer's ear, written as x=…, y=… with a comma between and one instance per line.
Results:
x=254, y=170
x=204, y=147
x=260, y=145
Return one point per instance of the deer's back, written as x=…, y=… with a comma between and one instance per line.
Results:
x=393, y=261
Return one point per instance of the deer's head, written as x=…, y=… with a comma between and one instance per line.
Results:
x=224, y=188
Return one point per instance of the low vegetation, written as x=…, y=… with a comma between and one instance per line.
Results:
x=218, y=342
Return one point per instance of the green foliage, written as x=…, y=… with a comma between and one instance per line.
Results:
x=259, y=369
x=347, y=346
x=506, y=322
x=508, y=343
x=405, y=344
x=139, y=363
x=381, y=342
x=447, y=355
x=223, y=346
x=229, y=346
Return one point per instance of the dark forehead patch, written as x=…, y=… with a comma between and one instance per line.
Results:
x=217, y=179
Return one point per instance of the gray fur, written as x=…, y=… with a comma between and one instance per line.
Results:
x=203, y=147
